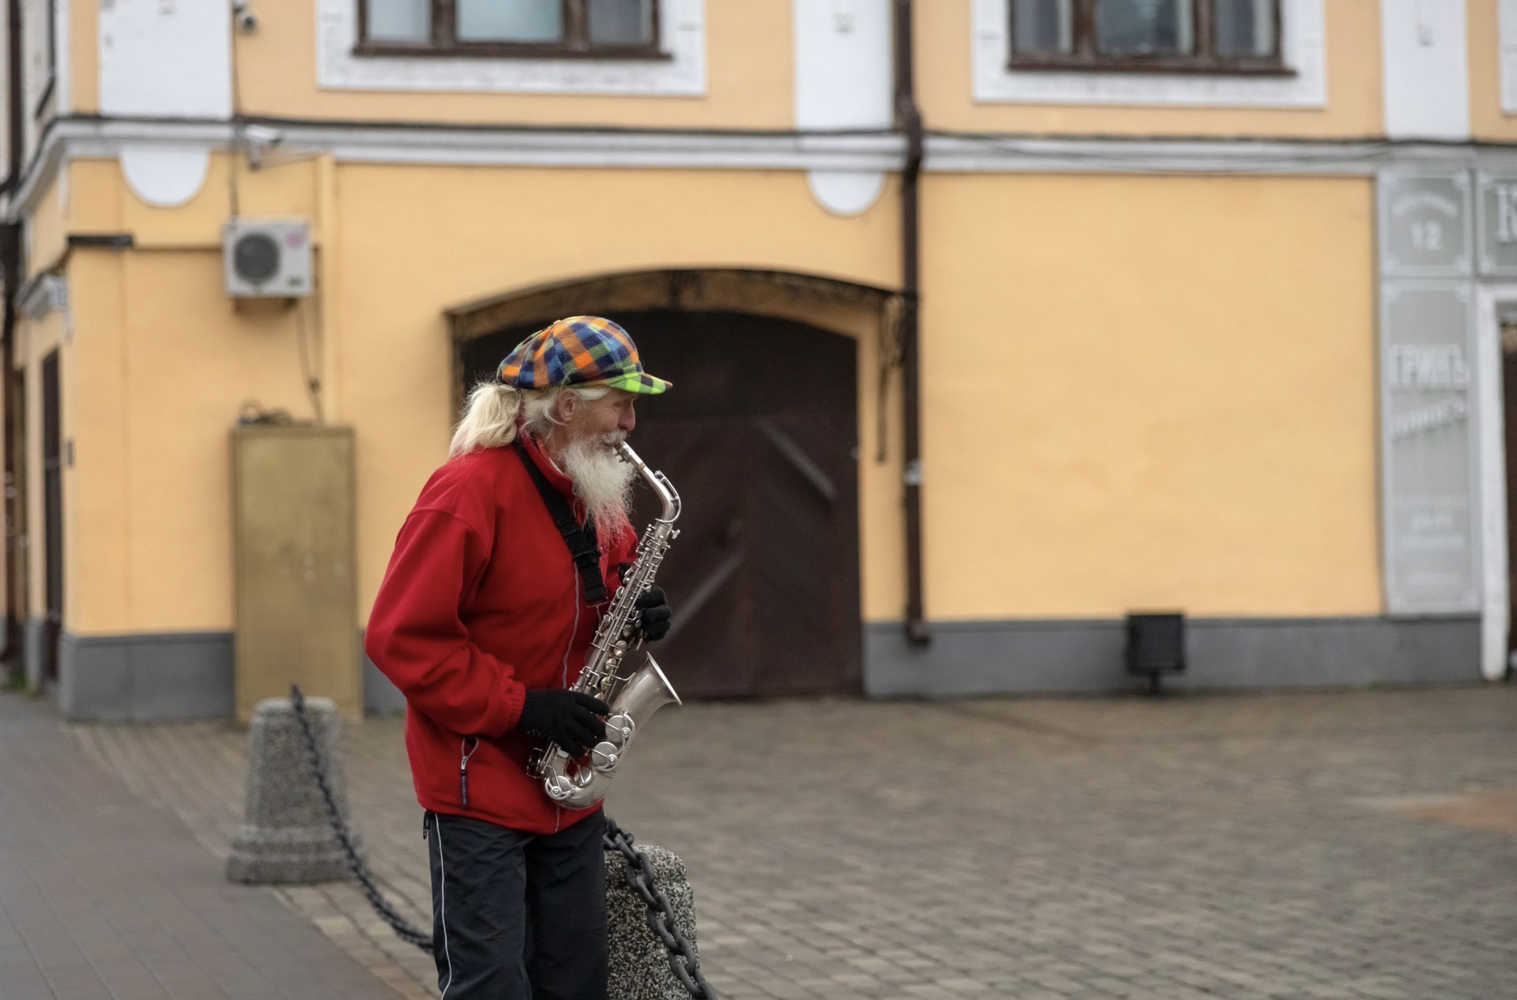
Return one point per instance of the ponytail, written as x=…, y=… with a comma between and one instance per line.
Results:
x=489, y=419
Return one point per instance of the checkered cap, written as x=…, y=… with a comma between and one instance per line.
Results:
x=580, y=350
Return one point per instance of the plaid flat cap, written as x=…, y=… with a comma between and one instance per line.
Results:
x=579, y=350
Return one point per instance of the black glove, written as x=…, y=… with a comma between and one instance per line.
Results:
x=654, y=604
x=568, y=718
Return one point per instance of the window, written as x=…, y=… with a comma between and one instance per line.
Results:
x=553, y=28
x=1208, y=36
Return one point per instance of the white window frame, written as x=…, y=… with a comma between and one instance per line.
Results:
x=682, y=36
x=1302, y=37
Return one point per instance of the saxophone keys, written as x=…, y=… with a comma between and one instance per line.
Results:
x=604, y=756
x=619, y=729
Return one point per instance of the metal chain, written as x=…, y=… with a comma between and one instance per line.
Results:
x=402, y=927
x=640, y=876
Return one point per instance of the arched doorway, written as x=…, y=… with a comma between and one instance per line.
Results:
x=760, y=436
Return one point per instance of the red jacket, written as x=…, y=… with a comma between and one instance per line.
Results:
x=481, y=602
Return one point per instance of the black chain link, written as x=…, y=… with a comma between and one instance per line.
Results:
x=402, y=927
x=640, y=876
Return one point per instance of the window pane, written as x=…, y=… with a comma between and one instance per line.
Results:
x=621, y=22
x=1041, y=26
x=1144, y=27
x=510, y=20
x=399, y=20
x=1245, y=27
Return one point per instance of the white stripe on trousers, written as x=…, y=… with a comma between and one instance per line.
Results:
x=442, y=904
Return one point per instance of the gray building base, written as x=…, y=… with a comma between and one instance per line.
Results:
x=379, y=695
x=145, y=677
x=34, y=653
x=162, y=677
x=1086, y=656
x=159, y=677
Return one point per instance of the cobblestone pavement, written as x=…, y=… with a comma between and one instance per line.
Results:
x=1348, y=845
x=102, y=896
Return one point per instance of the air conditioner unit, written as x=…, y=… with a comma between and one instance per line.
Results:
x=267, y=258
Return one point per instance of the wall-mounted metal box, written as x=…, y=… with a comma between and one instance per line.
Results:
x=295, y=529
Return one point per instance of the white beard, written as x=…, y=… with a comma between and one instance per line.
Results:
x=602, y=481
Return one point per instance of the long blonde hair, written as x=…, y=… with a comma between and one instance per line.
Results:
x=493, y=411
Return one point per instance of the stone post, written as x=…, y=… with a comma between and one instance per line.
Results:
x=639, y=963
x=285, y=836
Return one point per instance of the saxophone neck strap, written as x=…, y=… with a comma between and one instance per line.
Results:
x=583, y=545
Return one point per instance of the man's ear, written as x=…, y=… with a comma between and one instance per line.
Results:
x=564, y=405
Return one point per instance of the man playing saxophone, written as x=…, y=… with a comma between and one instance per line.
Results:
x=499, y=576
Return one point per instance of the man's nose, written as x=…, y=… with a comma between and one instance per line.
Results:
x=627, y=421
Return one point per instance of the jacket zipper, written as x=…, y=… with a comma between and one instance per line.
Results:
x=466, y=747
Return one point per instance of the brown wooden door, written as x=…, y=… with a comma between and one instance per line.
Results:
x=759, y=435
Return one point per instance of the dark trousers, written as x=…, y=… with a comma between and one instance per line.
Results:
x=518, y=916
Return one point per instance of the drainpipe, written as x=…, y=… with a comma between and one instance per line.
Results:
x=909, y=121
x=10, y=277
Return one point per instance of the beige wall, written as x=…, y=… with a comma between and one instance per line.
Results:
x=1354, y=108
x=47, y=228
x=416, y=240
x=1154, y=391
x=161, y=365
x=170, y=360
x=748, y=80
x=84, y=56
x=1148, y=393
x=1487, y=121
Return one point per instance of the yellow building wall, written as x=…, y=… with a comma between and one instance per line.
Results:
x=415, y=240
x=1355, y=105
x=1137, y=392
x=169, y=363
x=84, y=56
x=1147, y=393
x=48, y=226
x=170, y=360
x=1487, y=121
x=748, y=80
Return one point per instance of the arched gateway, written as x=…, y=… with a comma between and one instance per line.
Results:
x=760, y=436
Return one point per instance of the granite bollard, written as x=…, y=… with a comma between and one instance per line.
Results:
x=639, y=963
x=285, y=836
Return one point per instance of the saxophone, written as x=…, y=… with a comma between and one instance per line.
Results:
x=580, y=783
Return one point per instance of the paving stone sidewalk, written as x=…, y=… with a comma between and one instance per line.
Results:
x=1359, y=844
x=104, y=896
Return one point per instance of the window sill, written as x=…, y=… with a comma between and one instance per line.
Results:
x=1188, y=67
x=508, y=51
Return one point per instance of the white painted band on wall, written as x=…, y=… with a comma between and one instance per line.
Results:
x=845, y=151
x=846, y=192
x=843, y=80
x=1426, y=73
x=165, y=176
x=166, y=59
x=1507, y=30
x=1491, y=430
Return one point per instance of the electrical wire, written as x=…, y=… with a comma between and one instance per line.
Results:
x=312, y=383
